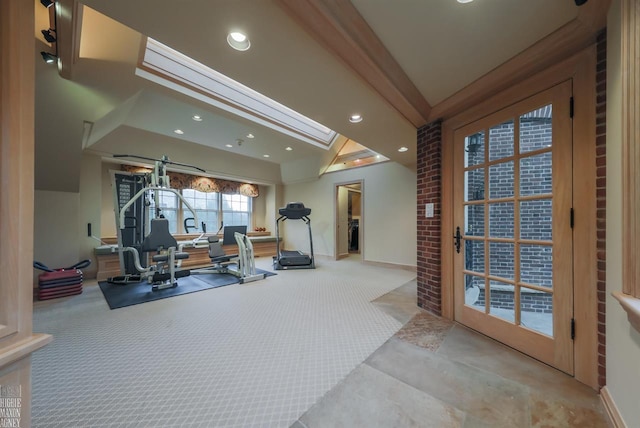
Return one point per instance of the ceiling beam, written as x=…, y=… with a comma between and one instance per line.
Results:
x=68, y=29
x=593, y=14
x=562, y=43
x=340, y=28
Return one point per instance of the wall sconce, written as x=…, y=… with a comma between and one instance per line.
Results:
x=474, y=145
x=49, y=58
x=49, y=35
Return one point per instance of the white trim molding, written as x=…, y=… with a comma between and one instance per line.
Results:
x=612, y=409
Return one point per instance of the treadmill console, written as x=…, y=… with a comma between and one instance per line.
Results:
x=295, y=211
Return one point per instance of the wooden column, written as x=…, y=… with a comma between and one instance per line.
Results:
x=630, y=150
x=17, y=341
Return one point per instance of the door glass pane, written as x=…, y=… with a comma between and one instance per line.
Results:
x=474, y=256
x=535, y=175
x=536, y=310
x=535, y=220
x=474, y=292
x=474, y=149
x=474, y=220
x=501, y=141
x=501, y=259
x=474, y=185
x=536, y=265
x=501, y=220
x=535, y=129
x=501, y=180
x=502, y=300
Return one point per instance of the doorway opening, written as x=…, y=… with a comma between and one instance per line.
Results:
x=349, y=224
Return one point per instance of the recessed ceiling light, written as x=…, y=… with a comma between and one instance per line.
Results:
x=403, y=149
x=250, y=136
x=465, y=1
x=355, y=118
x=288, y=149
x=179, y=131
x=265, y=156
x=238, y=41
x=197, y=118
x=228, y=145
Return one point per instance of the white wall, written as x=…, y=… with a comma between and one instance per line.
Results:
x=55, y=237
x=273, y=200
x=61, y=218
x=90, y=209
x=107, y=214
x=623, y=342
x=389, y=214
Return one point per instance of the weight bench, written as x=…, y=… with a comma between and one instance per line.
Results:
x=160, y=241
x=167, y=259
x=221, y=261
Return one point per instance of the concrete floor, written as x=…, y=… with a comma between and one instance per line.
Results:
x=434, y=373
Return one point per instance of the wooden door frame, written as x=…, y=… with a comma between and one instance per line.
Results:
x=581, y=68
x=336, y=256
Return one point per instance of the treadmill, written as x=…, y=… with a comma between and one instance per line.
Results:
x=293, y=259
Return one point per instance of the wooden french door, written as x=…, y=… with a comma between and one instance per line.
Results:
x=513, y=263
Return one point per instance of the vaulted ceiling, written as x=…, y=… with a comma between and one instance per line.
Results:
x=399, y=64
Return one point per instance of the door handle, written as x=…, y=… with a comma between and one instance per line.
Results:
x=457, y=238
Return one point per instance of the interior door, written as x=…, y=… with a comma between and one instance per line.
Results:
x=513, y=265
x=342, y=223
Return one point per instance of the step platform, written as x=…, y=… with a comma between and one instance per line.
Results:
x=59, y=283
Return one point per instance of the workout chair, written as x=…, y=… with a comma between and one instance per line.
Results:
x=219, y=258
x=160, y=241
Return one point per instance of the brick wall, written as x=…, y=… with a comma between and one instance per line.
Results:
x=429, y=190
x=601, y=183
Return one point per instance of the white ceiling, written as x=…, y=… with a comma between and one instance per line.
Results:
x=441, y=45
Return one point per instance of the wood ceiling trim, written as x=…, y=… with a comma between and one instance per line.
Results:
x=562, y=43
x=593, y=14
x=340, y=28
x=69, y=28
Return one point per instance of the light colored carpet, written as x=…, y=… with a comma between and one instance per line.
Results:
x=259, y=354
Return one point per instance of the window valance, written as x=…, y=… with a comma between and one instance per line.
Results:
x=182, y=181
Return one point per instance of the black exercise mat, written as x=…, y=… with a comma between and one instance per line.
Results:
x=119, y=296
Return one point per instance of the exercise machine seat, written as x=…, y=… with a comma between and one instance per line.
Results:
x=216, y=252
x=159, y=239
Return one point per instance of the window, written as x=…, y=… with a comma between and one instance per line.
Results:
x=210, y=207
x=236, y=210
x=206, y=206
x=167, y=202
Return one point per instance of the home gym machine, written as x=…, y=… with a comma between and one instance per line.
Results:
x=135, y=237
x=244, y=268
x=293, y=259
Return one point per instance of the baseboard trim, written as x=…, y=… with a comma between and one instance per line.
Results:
x=612, y=409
